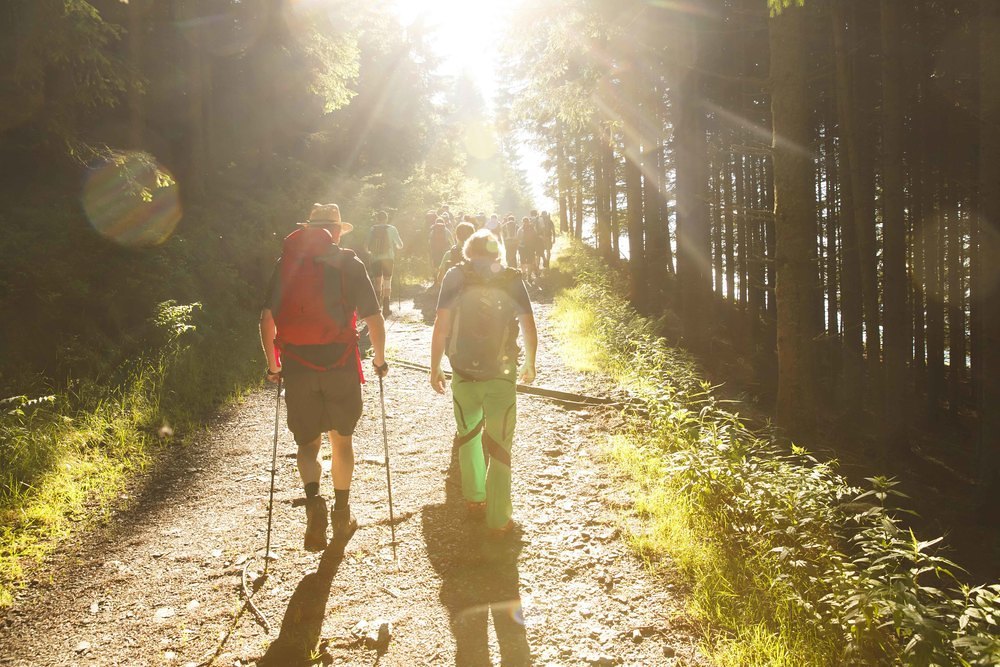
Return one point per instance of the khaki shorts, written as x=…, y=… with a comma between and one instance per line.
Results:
x=318, y=402
x=381, y=268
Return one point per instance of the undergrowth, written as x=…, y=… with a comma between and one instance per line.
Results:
x=65, y=455
x=789, y=564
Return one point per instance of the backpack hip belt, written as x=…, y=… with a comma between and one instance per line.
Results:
x=349, y=340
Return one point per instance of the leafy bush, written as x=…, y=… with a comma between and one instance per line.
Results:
x=795, y=565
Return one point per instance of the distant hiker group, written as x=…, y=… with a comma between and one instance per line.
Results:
x=526, y=244
x=308, y=327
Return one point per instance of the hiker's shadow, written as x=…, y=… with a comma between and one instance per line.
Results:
x=479, y=579
x=303, y=620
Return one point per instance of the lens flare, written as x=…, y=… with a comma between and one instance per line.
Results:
x=132, y=201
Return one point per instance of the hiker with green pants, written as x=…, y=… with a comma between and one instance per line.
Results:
x=481, y=305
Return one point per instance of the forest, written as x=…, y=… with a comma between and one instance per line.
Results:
x=781, y=229
x=812, y=190
x=151, y=150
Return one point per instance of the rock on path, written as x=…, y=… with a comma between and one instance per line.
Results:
x=159, y=584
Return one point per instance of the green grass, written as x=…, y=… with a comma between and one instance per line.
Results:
x=788, y=563
x=66, y=457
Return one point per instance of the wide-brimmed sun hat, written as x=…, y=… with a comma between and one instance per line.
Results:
x=327, y=215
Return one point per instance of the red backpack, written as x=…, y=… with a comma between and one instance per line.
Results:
x=303, y=317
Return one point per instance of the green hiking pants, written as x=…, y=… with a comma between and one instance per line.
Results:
x=485, y=414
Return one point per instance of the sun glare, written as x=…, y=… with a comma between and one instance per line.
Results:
x=466, y=35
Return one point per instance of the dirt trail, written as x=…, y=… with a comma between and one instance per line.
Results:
x=159, y=584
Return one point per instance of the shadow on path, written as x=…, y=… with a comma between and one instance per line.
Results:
x=479, y=578
x=303, y=620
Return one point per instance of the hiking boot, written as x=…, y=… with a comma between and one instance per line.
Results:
x=315, y=524
x=476, y=510
x=343, y=525
x=503, y=531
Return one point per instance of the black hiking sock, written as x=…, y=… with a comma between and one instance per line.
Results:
x=341, y=498
x=312, y=489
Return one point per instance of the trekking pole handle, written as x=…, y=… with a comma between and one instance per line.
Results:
x=382, y=370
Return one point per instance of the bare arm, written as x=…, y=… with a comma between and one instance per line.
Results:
x=442, y=329
x=267, y=334
x=376, y=331
x=527, y=321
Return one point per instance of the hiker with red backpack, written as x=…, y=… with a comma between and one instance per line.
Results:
x=316, y=295
x=481, y=305
x=382, y=243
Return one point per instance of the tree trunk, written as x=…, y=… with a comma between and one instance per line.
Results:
x=756, y=253
x=716, y=226
x=196, y=114
x=633, y=193
x=602, y=193
x=894, y=230
x=832, y=256
x=954, y=240
x=935, y=316
x=653, y=198
x=742, y=233
x=795, y=224
x=863, y=79
x=562, y=176
x=850, y=281
x=694, y=248
x=727, y=234
x=135, y=116
x=989, y=253
x=580, y=173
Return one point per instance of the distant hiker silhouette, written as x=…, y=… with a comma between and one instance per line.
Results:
x=382, y=243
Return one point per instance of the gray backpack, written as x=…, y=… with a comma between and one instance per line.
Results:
x=483, y=341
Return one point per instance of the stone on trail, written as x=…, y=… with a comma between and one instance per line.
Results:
x=165, y=612
x=601, y=659
x=82, y=647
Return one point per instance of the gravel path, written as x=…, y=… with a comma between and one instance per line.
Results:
x=159, y=583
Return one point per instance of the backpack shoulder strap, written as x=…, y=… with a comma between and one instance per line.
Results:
x=468, y=271
x=338, y=260
x=510, y=275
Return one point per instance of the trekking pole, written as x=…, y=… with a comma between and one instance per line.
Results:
x=388, y=477
x=274, y=465
x=249, y=589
